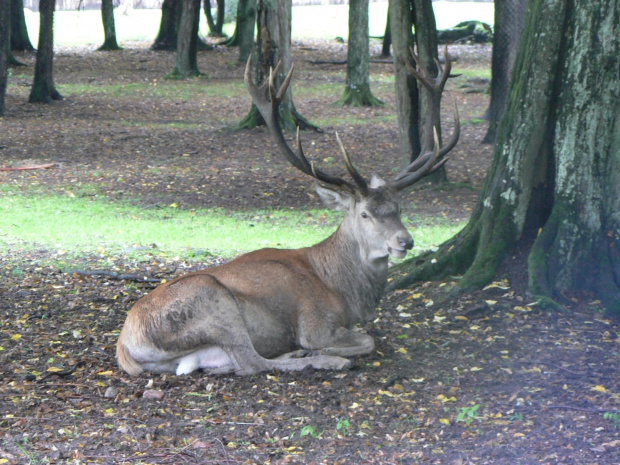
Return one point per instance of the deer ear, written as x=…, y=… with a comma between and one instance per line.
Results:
x=333, y=198
x=376, y=182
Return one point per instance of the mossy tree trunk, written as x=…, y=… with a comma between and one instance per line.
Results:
x=273, y=46
x=109, y=27
x=554, y=182
x=187, y=41
x=20, y=41
x=357, y=90
x=43, y=88
x=5, y=27
x=169, y=25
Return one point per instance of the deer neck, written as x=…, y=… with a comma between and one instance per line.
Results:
x=354, y=273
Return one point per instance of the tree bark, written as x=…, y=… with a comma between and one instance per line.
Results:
x=109, y=28
x=187, y=41
x=5, y=28
x=43, y=88
x=20, y=41
x=509, y=19
x=554, y=183
x=357, y=90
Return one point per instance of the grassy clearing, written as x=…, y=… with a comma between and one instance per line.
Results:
x=74, y=28
x=76, y=226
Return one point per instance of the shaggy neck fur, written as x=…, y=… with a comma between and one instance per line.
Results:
x=343, y=264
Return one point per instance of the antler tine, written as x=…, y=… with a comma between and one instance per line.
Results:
x=422, y=166
x=267, y=100
x=357, y=177
x=455, y=134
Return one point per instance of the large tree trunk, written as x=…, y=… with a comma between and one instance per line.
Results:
x=357, y=90
x=5, y=27
x=19, y=32
x=509, y=19
x=187, y=46
x=109, y=28
x=43, y=88
x=554, y=183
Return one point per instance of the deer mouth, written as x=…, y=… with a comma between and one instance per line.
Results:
x=397, y=252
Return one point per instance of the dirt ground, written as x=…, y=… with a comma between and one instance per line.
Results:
x=482, y=378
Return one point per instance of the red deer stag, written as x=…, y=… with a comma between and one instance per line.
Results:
x=281, y=309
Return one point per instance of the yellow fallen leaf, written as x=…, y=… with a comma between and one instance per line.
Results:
x=354, y=405
x=376, y=364
x=475, y=369
x=461, y=317
x=491, y=302
x=599, y=388
x=106, y=373
x=16, y=337
x=444, y=421
x=402, y=350
x=54, y=369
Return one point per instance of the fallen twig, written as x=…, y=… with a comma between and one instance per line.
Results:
x=22, y=168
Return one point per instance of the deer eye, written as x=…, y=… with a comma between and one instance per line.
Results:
x=364, y=215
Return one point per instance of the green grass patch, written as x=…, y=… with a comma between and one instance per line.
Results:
x=74, y=226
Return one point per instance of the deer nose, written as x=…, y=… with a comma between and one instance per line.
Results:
x=406, y=242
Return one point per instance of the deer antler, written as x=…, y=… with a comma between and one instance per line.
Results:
x=268, y=100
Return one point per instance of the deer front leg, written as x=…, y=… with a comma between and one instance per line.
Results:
x=338, y=341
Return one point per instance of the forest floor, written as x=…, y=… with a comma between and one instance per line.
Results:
x=482, y=378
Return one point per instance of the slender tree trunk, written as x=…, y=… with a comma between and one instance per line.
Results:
x=187, y=49
x=109, y=28
x=387, y=38
x=43, y=88
x=509, y=19
x=5, y=29
x=19, y=32
x=406, y=87
x=357, y=90
x=215, y=25
x=554, y=183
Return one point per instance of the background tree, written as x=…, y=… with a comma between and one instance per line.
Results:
x=418, y=109
x=386, y=44
x=109, y=28
x=273, y=46
x=43, y=88
x=5, y=25
x=20, y=41
x=509, y=19
x=215, y=25
x=187, y=41
x=168, y=26
x=357, y=90
x=553, y=188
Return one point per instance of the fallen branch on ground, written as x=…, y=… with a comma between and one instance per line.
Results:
x=36, y=167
